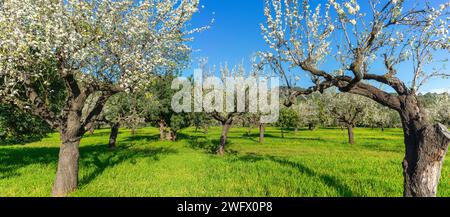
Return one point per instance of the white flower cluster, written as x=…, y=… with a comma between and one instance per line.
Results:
x=385, y=31
x=295, y=33
x=120, y=42
x=352, y=7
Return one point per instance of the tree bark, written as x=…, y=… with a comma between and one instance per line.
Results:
x=91, y=130
x=261, y=133
x=426, y=146
x=67, y=173
x=223, y=137
x=162, y=127
x=311, y=126
x=282, y=132
x=113, y=135
x=351, y=137
x=171, y=135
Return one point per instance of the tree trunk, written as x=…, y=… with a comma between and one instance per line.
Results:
x=351, y=137
x=162, y=127
x=223, y=137
x=171, y=135
x=113, y=135
x=311, y=126
x=91, y=130
x=295, y=130
x=282, y=132
x=261, y=133
x=67, y=173
x=426, y=147
x=71, y=126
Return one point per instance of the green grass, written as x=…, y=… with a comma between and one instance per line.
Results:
x=311, y=163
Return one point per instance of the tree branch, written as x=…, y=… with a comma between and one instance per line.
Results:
x=38, y=107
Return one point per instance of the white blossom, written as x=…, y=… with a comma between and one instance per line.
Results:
x=114, y=42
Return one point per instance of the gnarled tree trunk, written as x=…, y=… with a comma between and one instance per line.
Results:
x=67, y=173
x=113, y=135
x=426, y=146
x=223, y=137
x=162, y=127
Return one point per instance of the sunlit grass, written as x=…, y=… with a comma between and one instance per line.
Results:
x=310, y=163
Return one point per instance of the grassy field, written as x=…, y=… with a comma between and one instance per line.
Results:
x=311, y=163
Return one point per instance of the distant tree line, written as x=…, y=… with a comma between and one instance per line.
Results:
x=151, y=107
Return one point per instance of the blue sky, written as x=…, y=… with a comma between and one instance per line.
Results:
x=236, y=35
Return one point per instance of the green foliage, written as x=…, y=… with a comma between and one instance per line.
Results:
x=288, y=118
x=149, y=105
x=179, y=121
x=127, y=109
x=17, y=126
x=201, y=120
x=311, y=163
x=159, y=105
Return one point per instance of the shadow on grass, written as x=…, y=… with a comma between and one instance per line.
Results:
x=331, y=181
x=97, y=156
x=203, y=143
x=209, y=146
x=255, y=138
x=101, y=158
x=141, y=138
x=14, y=158
x=21, y=141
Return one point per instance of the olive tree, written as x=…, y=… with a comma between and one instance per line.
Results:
x=157, y=108
x=124, y=110
x=102, y=47
x=288, y=119
x=387, y=32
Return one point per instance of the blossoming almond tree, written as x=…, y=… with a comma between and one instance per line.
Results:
x=226, y=116
x=439, y=110
x=101, y=47
x=348, y=110
x=386, y=33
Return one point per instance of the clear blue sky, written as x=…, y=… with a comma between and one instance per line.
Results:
x=236, y=35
